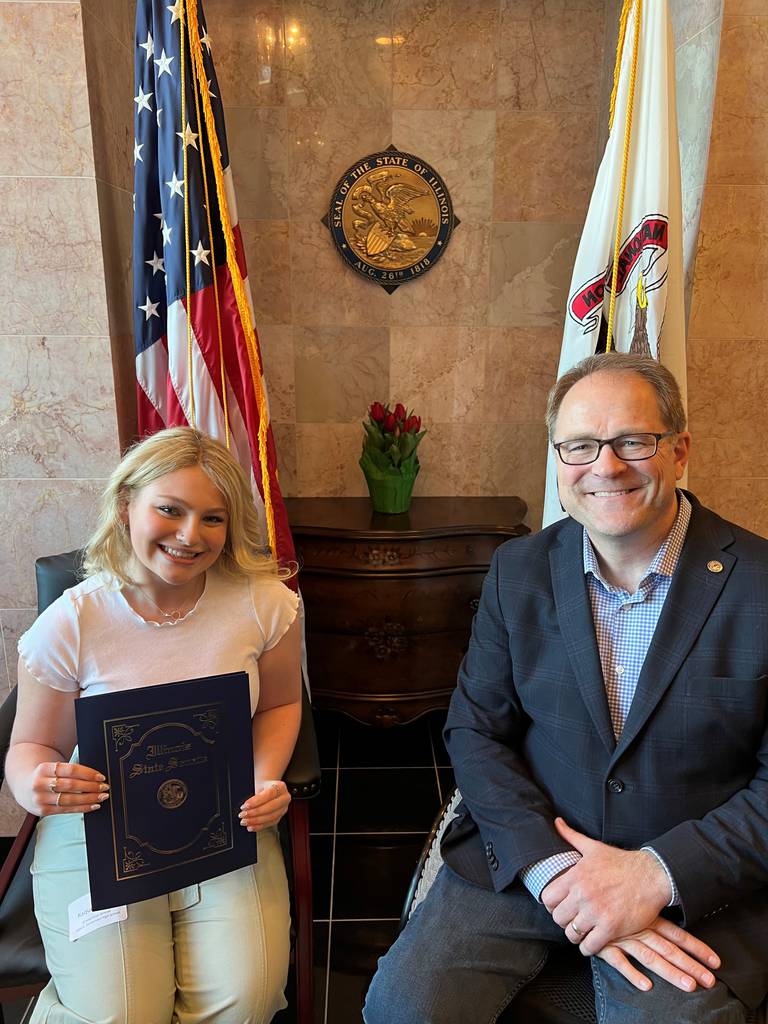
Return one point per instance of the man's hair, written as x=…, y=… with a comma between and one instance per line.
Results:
x=110, y=551
x=658, y=376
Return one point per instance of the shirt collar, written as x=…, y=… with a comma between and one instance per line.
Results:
x=666, y=558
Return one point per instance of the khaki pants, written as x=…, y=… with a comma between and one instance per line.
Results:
x=214, y=952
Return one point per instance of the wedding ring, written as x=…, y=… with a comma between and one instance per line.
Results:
x=52, y=785
x=576, y=931
x=56, y=770
x=58, y=799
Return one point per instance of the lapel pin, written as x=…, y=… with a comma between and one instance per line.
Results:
x=715, y=566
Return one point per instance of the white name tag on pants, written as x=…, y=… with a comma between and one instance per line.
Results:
x=83, y=920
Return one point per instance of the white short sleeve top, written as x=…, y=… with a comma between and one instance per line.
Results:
x=91, y=640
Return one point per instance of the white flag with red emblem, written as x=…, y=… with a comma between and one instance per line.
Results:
x=649, y=316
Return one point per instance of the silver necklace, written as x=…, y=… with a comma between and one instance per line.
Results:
x=173, y=616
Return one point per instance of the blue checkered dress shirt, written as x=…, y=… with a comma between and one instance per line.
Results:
x=624, y=627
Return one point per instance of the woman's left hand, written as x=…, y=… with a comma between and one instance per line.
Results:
x=266, y=807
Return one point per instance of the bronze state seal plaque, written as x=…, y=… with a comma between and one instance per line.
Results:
x=391, y=217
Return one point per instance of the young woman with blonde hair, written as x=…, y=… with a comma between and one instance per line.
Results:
x=176, y=587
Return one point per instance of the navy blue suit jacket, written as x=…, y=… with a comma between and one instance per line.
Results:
x=530, y=736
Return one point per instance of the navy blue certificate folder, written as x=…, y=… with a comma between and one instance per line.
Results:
x=179, y=762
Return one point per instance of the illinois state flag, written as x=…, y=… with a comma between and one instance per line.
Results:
x=648, y=312
x=197, y=354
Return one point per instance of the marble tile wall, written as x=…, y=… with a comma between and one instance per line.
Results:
x=487, y=91
x=57, y=420
x=728, y=331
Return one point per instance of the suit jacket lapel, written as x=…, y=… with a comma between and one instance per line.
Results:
x=577, y=628
x=691, y=597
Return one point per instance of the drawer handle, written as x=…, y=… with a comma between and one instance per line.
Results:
x=382, y=556
x=474, y=604
x=387, y=640
x=386, y=716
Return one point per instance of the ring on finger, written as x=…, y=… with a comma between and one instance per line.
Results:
x=52, y=785
x=58, y=799
x=56, y=769
x=576, y=931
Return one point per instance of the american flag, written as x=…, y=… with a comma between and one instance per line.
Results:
x=197, y=355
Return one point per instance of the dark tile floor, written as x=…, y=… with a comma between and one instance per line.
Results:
x=381, y=790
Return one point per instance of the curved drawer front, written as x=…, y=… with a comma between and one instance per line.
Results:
x=385, y=662
x=426, y=604
x=334, y=554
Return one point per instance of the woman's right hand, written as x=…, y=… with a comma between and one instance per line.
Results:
x=62, y=788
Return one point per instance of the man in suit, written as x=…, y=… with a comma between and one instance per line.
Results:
x=608, y=736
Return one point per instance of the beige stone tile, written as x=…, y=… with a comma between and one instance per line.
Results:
x=57, y=410
x=324, y=290
x=730, y=294
x=285, y=445
x=327, y=460
x=743, y=7
x=689, y=17
x=520, y=368
x=459, y=144
x=247, y=46
x=531, y=268
x=14, y=622
x=738, y=152
x=117, y=16
x=323, y=144
x=110, y=97
x=276, y=342
x=339, y=372
x=725, y=456
x=116, y=224
x=11, y=815
x=695, y=73
x=548, y=9
x=538, y=175
x=337, y=51
x=500, y=459
x=455, y=290
x=742, y=500
x=727, y=387
x=50, y=260
x=268, y=252
x=692, y=202
x=258, y=153
x=445, y=53
x=44, y=119
x=743, y=68
x=40, y=517
x=439, y=372
x=739, y=147
x=550, y=63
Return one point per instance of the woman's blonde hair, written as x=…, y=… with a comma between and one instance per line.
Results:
x=110, y=551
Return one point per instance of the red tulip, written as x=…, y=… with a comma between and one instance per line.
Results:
x=413, y=424
x=378, y=412
x=400, y=413
x=389, y=422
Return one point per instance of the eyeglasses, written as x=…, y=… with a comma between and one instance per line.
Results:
x=627, y=447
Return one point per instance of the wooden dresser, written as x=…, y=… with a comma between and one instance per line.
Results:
x=390, y=598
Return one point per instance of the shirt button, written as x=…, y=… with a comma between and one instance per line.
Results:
x=615, y=785
x=619, y=670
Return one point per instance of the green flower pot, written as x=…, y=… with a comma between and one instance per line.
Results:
x=390, y=493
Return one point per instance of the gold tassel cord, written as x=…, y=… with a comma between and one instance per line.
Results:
x=190, y=376
x=624, y=164
x=243, y=307
x=624, y=17
x=216, y=301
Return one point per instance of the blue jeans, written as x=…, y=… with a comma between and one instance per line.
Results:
x=467, y=952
